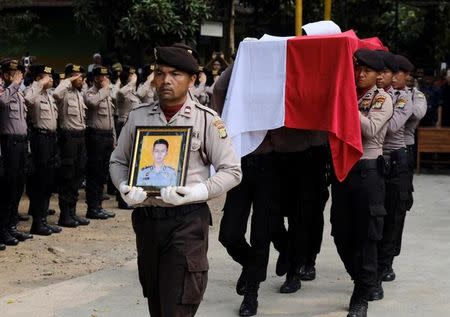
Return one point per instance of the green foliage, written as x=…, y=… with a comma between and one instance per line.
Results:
x=143, y=23
x=18, y=28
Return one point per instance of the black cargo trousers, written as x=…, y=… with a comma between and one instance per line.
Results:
x=304, y=193
x=398, y=195
x=172, y=245
x=357, y=215
x=258, y=192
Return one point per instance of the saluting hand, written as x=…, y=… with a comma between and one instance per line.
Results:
x=17, y=77
x=105, y=82
x=73, y=78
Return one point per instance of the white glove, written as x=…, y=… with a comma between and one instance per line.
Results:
x=173, y=194
x=132, y=195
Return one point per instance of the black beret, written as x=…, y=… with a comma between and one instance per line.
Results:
x=177, y=57
x=37, y=69
x=188, y=48
x=147, y=70
x=369, y=58
x=11, y=64
x=73, y=68
x=117, y=67
x=389, y=60
x=100, y=70
x=404, y=63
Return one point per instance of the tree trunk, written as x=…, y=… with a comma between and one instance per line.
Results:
x=231, y=14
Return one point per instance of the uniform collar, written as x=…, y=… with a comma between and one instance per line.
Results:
x=185, y=111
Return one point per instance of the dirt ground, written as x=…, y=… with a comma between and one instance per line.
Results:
x=73, y=252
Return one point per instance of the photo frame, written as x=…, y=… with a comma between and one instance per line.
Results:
x=160, y=157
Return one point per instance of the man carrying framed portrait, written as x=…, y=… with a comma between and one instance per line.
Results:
x=172, y=222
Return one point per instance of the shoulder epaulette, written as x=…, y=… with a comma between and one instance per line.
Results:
x=206, y=109
x=142, y=105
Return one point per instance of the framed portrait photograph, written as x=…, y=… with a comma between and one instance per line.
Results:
x=160, y=158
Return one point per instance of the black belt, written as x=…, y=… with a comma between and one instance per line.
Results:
x=75, y=134
x=43, y=131
x=398, y=155
x=167, y=212
x=15, y=137
x=99, y=132
x=365, y=164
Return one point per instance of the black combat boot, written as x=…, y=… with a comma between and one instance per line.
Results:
x=241, y=284
x=388, y=275
x=53, y=228
x=307, y=273
x=96, y=214
x=282, y=263
x=110, y=214
x=38, y=227
x=66, y=220
x=249, y=306
x=6, y=237
x=376, y=293
x=293, y=282
x=2, y=247
x=82, y=221
x=358, y=304
x=51, y=212
x=21, y=236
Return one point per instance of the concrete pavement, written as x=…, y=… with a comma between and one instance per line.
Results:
x=422, y=287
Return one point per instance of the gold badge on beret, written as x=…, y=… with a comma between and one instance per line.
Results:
x=62, y=76
x=152, y=67
x=401, y=102
x=47, y=70
x=378, y=102
x=218, y=123
x=13, y=65
x=76, y=68
x=104, y=71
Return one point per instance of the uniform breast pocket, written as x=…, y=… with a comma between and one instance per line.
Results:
x=72, y=107
x=14, y=109
x=103, y=109
x=45, y=110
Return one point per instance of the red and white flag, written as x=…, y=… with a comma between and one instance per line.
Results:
x=304, y=82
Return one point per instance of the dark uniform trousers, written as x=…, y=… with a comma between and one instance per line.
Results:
x=357, y=213
x=304, y=193
x=44, y=150
x=99, y=145
x=411, y=166
x=119, y=126
x=14, y=151
x=258, y=188
x=397, y=199
x=73, y=160
x=172, y=245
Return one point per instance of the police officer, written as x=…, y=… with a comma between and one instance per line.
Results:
x=43, y=113
x=419, y=105
x=146, y=90
x=172, y=230
x=14, y=147
x=357, y=208
x=304, y=195
x=99, y=100
x=397, y=178
x=127, y=97
x=71, y=139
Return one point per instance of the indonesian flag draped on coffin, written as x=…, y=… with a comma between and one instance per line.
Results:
x=303, y=82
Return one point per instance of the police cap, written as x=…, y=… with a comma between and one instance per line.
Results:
x=73, y=68
x=389, y=60
x=181, y=58
x=100, y=71
x=38, y=69
x=369, y=58
x=11, y=64
x=404, y=64
x=147, y=70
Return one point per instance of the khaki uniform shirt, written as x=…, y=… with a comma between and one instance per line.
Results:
x=395, y=136
x=72, y=110
x=127, y=99
x=218, y=148
x=13, y=111
x=100, y=104
x=43, y=111
x=146, y=92
x=419, y=109
x=375, y=109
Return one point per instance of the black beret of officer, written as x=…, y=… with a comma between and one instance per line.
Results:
x=38, y=69
x=73, y=68
x=404, y=64
x=128, y=70
x=11, y=64
x=177, y=57
x=389, y=60
x=369, y=58
x=188, y=48
x=100, y=70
